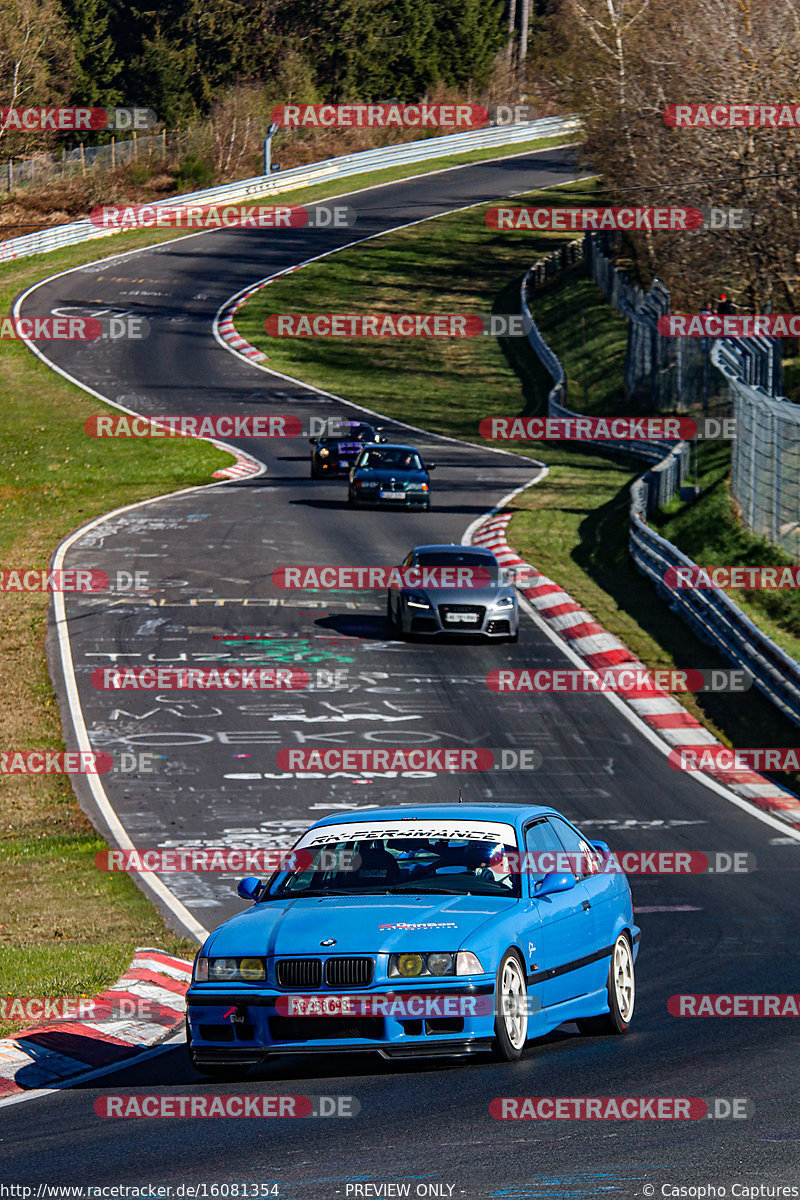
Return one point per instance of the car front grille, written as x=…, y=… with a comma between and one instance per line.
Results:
x=299, y=972
x=349, y=972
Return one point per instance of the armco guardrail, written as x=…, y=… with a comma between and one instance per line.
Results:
x=716, y=618
x=713, y=616
x=672, y=458
x=329, y=169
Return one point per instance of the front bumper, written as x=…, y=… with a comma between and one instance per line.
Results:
x=371, y=497
x=255, y=1028
x=491, y=622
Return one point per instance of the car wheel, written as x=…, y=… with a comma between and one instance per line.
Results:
x=513, y=637
x=621, y=987
x=314, y=472
x=511, y=1005
x=394, y=623
x=351, y=500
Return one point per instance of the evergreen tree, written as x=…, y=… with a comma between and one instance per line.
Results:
x=97, y=66
x=469, y=35
x=413, y=51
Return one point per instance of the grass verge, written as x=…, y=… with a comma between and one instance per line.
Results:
x=63, y=924
x=574, y=524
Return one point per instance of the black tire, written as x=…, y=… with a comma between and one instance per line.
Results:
x=510, y=1033
x=621, y=995
x=351, y=500
x=513, y=637
x=314, y=472
x=394, y=624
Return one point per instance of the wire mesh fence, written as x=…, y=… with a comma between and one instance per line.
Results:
x=146, y=150
x=765, y=458
x=661, y=373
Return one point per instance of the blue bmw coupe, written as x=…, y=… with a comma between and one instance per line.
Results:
x=427, y=930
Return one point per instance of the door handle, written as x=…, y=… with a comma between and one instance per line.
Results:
x=586, y=906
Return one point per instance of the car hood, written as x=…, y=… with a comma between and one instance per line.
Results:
x=360, y=925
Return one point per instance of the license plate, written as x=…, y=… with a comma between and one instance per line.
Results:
x=393, y=495
x=462, y=618
x=343, y=463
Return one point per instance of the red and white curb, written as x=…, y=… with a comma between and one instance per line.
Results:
x=243, y=468
x=234, y=339
x=53, y=1053
x=600, y=649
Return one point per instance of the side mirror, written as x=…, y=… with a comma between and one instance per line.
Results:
x=249, y=888
x=313, y=441
x=555, y=882
x=430, y=466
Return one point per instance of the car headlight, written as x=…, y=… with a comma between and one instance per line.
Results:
x=504, y=602
x=407, y=965
x=237, y=970
x=416, y=487
x=200, y=969
x=468, y=963
x=324, y=453
x=412, y=966
x=417, y=600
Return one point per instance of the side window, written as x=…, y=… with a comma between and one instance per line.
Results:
x=583, y=859
x=541, y=841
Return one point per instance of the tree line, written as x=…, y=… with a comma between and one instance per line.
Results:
x=177, y=57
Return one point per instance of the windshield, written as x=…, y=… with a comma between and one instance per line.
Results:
x=414, y=866
x=458, y=558
x=391, y=456
x=356, y=433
